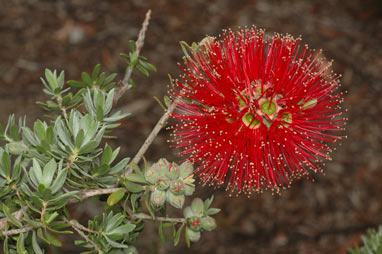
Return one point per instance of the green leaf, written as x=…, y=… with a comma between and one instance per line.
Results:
x=49, y=171
x=178, y=234
x=60, y=180
x=14, y=133
x=33, y=223
x=89, y=147
x=132, y=46
x=121, y=230
x=143, y=70
x=120, y=166
x=207, y=202
x=63, y=196
x=115, y=244
x=12, y=219
x=212, y=211
x=20, y=244
x=162, y=236
x=5, y=246
x=53, y=240
x=136, y=178
x=51, y=78
x=101, y=170
x=133, y=58
x=76, y=84
x=37, y=171
x=133, y=187
x=80, y=138
x=106, y=156
x=99, y=113
x=147, y=66
x=136, y=168
x=86, y=78
x=6, y=161
x=132, y=84
x=96, y=71
x=115, y=197
x=35, y=245
x=66, y=99
x=188, y=242
x=39, y=130
x=51, y=217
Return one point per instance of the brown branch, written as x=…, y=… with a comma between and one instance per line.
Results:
x=143, y=216
x=162, y=121
x=75, y=226
x=62, y=108
x=16, y=231
x=88, y=193
x=129, y=72
x=81, y=227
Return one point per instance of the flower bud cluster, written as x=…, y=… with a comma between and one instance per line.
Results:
x=198, y=219
x=170, y=182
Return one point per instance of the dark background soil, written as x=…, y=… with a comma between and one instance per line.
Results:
x=324, y=216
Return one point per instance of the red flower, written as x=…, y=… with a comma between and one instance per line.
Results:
x=256, y=112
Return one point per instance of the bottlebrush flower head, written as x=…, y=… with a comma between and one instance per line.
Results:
x=256, y=112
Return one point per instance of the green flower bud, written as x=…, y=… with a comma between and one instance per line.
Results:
x=194, y=223
x=208, y=223
x=162, y=166
x=177, y=186
x=187, y=212
x=151, y=175
x=173, y=171
x=186, y=169
x=189, y=189
x=192, y=235
x=158, y=198
x=176, y=201
x=197, y=206
x=162, y=183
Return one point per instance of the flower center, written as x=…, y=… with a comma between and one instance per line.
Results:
x=260, y=106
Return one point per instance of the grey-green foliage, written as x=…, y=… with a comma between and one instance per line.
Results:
x=371, y=243
x=43, y=166
x=55, y=161
x=135, y=61
x=113, y=233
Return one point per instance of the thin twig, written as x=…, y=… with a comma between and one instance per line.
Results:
x=81, y=227
x=162, y=121
x=44, y=205
x=143, y=216
x=88, y=193
x=16, y=231
x=82, y=234
x=62, y=108
x=139, y=44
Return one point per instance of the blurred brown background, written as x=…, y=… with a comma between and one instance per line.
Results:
x=325, y=216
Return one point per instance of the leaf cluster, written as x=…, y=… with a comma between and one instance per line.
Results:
x=371, y=243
